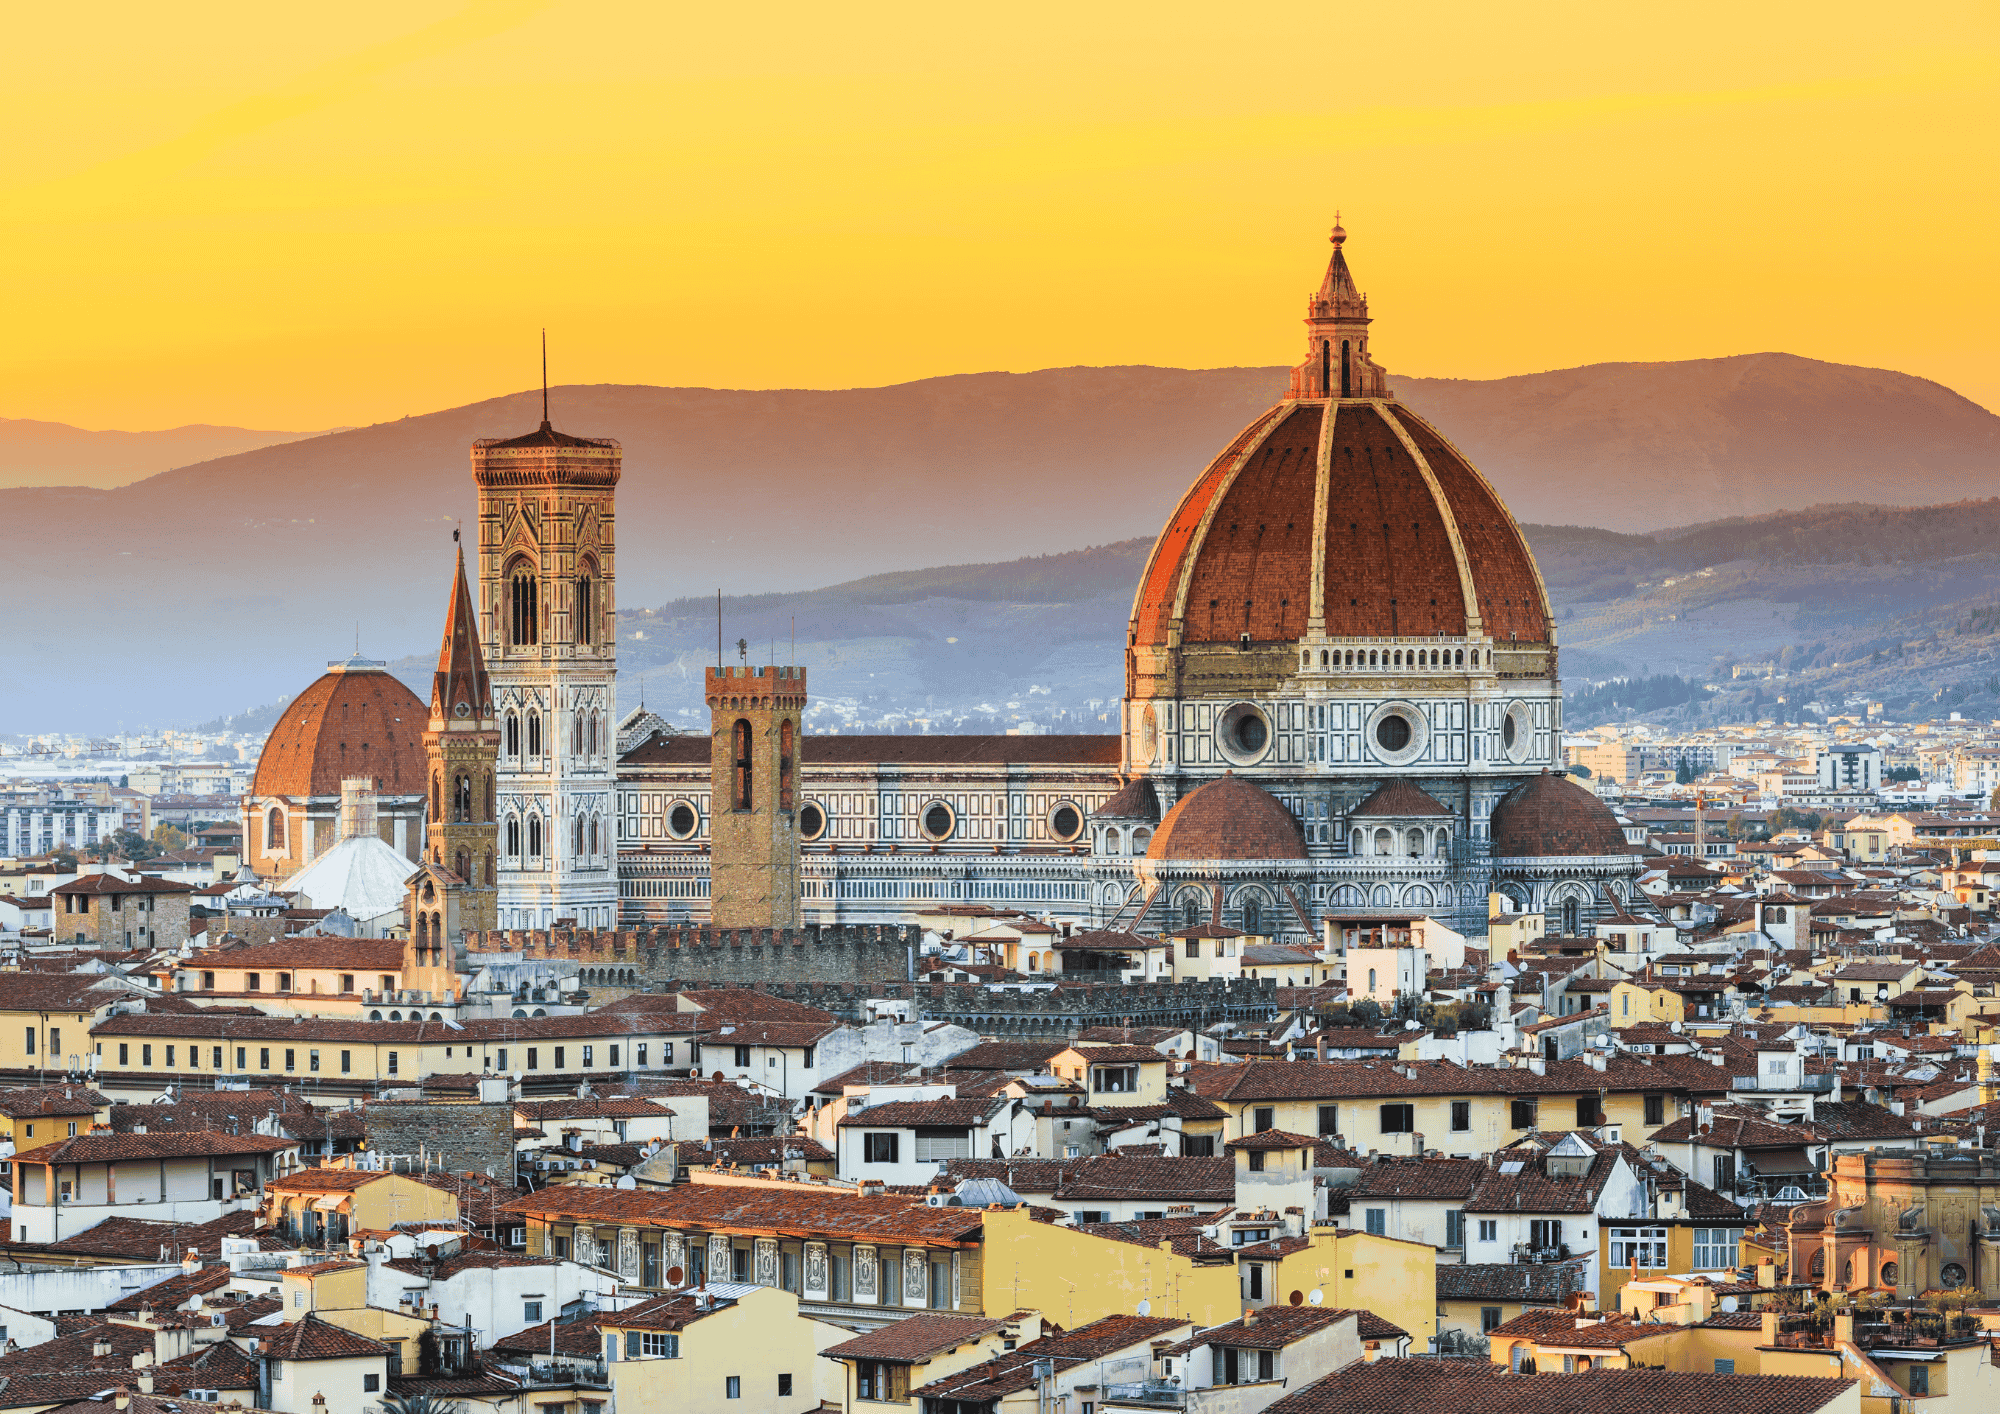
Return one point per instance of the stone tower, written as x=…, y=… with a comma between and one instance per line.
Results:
x=545, y=594
x=1337, y=364
x=461, y=747
x=757, y=726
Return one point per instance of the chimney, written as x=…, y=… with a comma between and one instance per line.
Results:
x=1770, y=1336
x=121, y=1398
x=145, y=1382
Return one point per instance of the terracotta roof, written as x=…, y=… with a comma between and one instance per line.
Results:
x=747, y=1152
x=1420, y=1178
x=1123, y=1176
x=351, y=722
x=1400, y=800
x=310, y=1338
x=807, y=1210
x=1108, y=940
x=1550, y=1282
x=917, y=1337
x=1135, y=800
x=934, y=1114
x=1007, y=1055
x=1533, y=1190
x=211, y=1024
x=1550, y=815
x=371, y=955
x=1276, y=1327
x=1128, y=1035
x=94, y=885
x=1493, y=1388
x=103, y=1147
x=1013, y=1371
x=623, y=1107
x=1236, y=556
x=143, y=1239
x=1269, y=1139
x=1113, y=1053
x=1228, y=818
x=51, y=1100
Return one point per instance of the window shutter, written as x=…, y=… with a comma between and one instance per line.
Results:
x=631, y=1345
x=899, y=1383
x=970, y=1297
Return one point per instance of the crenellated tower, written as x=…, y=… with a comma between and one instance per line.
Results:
x=461, y=748
x=546, y=599
x=757, y=727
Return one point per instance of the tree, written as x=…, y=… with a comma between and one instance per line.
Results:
x=420, y=1403
x=1684, y=772
x=168, y=838
x=1580, y=772
x=1367, y=1011
x=133, y=845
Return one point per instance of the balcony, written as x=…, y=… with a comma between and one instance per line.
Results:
x=1526, y=1252
x=1148, y=1394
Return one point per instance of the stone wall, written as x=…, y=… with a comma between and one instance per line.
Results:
x=636, y=958
x=456, y=1137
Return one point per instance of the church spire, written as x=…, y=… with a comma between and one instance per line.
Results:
x=460, y=691
x=1337, y=363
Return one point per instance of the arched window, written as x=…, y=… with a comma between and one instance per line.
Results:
x=577, y=847
x=596, y=836
x=513, y=733
x=739, y=755
x=522, y=617
x=591, y=745
x=1190, y=912
x=1385, y=842
x=423, y=930
x=461, y=798
x=274, y=829
x=489, y=797
x=1323, y=657
x=437, y=807
x=513, y=837
x=534, y=836
x=462, y=866
x=1417, y=842
x=489, y=868
x=1570, y=912
x=1371, y=979
x=1460, y=656
x=586, y=604
x=1354, y=843
x=785, y=765
x=534, y=733
x=1253, y=916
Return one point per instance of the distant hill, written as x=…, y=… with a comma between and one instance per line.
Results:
x=55, y=454
x=228, y=583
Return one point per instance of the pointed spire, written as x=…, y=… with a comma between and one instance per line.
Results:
x=461, y=670
x=1337, y=364
x=1339, y=282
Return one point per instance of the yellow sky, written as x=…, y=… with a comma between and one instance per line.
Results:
x=299, y=216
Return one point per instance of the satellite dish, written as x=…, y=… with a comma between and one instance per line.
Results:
x=1317, y=1296
x=626, y=1182
x=1145, y=1308
x=675, y=1276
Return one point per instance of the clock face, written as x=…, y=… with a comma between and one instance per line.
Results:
x=464, y=709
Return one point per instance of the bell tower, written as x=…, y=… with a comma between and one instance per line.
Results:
x=461, y=747
x=756, y=730
x=546, y=600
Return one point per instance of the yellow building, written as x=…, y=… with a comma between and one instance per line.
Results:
x=884, y=1366
x=322, y=1206
x=45, y=1017
x=141, y=1053
x=351, y=977
x=1115, y=1075
x=32, y=1117
x=710, y=1354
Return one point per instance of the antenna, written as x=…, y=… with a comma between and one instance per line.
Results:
x=718, y=630
x=545, y=379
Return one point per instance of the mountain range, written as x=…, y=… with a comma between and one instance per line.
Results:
x=230, y=582
x=36, y=453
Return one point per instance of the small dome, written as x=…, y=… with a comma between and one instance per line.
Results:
x=1137, y=800
x=1401, y=801
x=363, y=875
x=1553, y=815
x=357, y=720
x=1228, y=819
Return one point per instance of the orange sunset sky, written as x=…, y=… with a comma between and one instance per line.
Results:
x=302, y=216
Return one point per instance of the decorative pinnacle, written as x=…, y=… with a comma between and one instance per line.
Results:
x=1339, y=236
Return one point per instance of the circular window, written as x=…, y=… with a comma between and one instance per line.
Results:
x=1398, y=733
x=1065, y=822
x=939, y=820
x=1890, y=1271
x=1516, y=731
x=682, y=820
x=1951, y=1276
x=1243, y=735
x=812, y=821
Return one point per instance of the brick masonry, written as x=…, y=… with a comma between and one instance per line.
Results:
x=716, y=956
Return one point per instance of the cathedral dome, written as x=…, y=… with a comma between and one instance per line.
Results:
x=1373, y=526
x=358, y=720
x=1228, y=818
x=1551, y=814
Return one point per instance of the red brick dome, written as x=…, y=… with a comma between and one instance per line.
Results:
x=1411, y=547
x=1228, y=819
x=1371, y=520
x=357, y=720
x=1552, y=815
